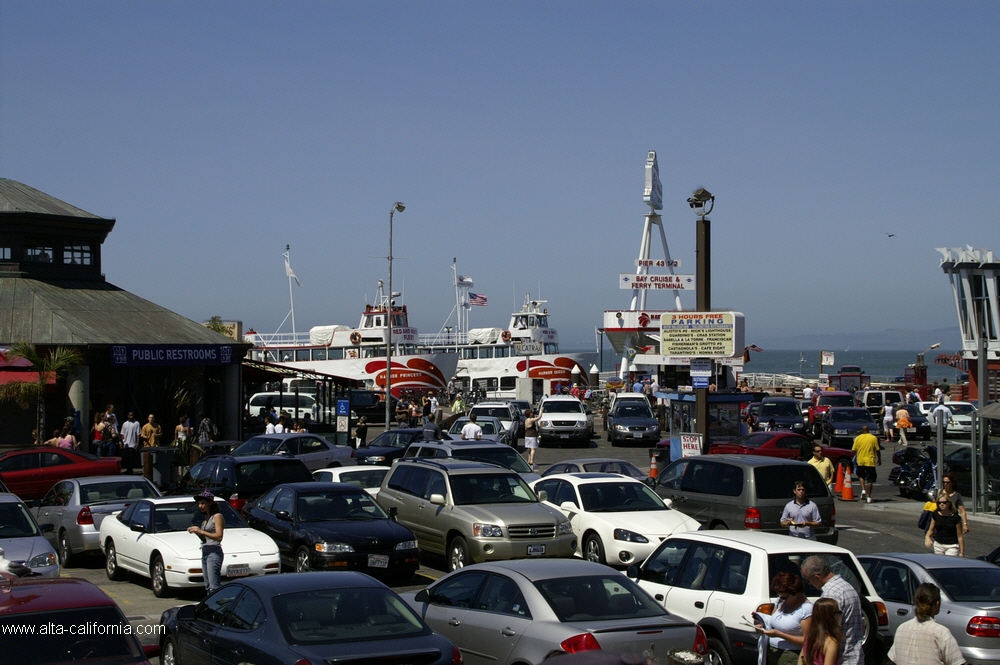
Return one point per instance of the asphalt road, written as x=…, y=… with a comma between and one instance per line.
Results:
x=889, y=523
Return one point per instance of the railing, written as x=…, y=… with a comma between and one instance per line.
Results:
x=762, y=380
x=279, y=339
x=443, y=338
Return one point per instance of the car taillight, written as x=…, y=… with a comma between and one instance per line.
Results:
x=700, y=642
x=303, y=661
x=352, y=453
x=84, y=516
x=765, y=608
x=751, y=519
x=578, y=643
x=881, y=614
x=983, y=627
x=236, y=502
x=456, y=656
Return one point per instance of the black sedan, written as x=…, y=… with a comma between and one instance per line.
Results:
x=921, y=426
x=334, y=526
x=278, y=619
x=843, y=423
x=388, y=447
x=632, y=422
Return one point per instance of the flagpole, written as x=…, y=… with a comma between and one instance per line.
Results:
x=288, y=273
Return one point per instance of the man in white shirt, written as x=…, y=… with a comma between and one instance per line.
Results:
x=940, y=411
x=270, y=425
x=280, y=427
x=472, y=431
x=130, y=443
x=807, y=394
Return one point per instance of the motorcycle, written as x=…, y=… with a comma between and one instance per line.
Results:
x=916, y=474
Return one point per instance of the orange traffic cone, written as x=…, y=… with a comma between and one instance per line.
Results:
x=839, y=486
x=848, y=493
x=652, y=466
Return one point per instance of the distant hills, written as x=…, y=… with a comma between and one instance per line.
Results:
x=891, y=339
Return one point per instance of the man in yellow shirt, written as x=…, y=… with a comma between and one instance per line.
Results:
x=869, y=456
x=823, y=465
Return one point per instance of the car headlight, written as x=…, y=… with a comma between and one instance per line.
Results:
x=376, y=458
x=407, y=545
x=334, y=548
x=487, y=531
x=621, y=428
x=840, y=431
x=545, y=423
x=800, y=426
x=630, y=536
x=565, y=528
x=42, y=560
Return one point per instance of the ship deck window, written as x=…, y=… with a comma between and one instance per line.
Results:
x=502, y=352
x=488, y=383
x=508, y=382
x=302, y=354
x=486, y=352
x=551, y=348
x=470, y=354
x=319, y=354
x=271, y=356
x=285, y=355
x=334, y=354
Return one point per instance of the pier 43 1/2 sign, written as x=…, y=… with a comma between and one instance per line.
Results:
x=701, y=334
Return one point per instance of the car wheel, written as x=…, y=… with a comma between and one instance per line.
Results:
x=168, y=652
x=64, y=550
x=158, y=578
x=458, y=554
x=593, y=548
x=302, y=560
x=720, y=526
x=717, y=654
x=871, y=642
x=111, y=567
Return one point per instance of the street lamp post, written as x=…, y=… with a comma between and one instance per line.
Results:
x=400, y=207
x=702, y=202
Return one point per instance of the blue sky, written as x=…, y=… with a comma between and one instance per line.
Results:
x=516, y=133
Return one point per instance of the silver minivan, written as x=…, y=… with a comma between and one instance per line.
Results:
x=744, y=492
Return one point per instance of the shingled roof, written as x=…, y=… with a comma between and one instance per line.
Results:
x=18, y=197
x=70, y=313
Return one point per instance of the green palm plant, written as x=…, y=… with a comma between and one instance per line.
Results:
x=56, y=363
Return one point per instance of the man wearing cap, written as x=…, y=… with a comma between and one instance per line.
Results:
x=210, y=533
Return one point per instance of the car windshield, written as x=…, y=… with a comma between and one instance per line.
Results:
x=625, y=468
x=116, y=490
x=320, y=506
x=334, y=616
x=499, y=412
x=484, y=488
x=616, y=497
x=851, y=416
x=168, y=517
x=35, y=645
x=835, y=400
x=777, y=482
x=632, y=410
x=15, y=522
x=269, y=473
x=597, y=598
x=489, y=427
x=912, y=410
x=755, y=440
x=961, y=409
x=969, y=585
x=395, y=439
x=258, y=445
x=562, y=406
x=779, y=410
x=840, y=563
x=502, y=455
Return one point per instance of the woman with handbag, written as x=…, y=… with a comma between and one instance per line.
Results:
x=945, y=532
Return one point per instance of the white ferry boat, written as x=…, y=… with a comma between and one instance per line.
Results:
x=488, y=358
x=359, y=353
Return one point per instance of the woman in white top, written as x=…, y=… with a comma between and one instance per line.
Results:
x=789, y=622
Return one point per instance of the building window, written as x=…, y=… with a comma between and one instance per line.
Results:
x=77, y=254
x=38, y=254
x=4, y=253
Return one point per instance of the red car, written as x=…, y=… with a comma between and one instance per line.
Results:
x=779, y=444
x=821, y=403
x=31, y=472
x=56, y=621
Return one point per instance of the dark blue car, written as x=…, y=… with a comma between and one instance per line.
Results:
x=843, y=423
x=334, y=618
x=784, y=411
x=388, y=447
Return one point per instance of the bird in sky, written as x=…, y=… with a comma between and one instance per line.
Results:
x=891, y=235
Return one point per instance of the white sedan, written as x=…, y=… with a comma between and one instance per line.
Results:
x=618, y=520
x=368, y=478
x=150, y=538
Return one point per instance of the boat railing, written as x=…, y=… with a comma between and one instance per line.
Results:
x=443, y=338
x=764, y=380
x=279, y=339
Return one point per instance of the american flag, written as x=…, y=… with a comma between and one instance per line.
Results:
x=477, y=299
x=754, y=347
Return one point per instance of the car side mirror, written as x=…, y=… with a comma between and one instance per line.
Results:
x=569, y=507
x=632, y=572
x=186, y=612
x=138, y=528
x=650, y=482
x=283, y=515
x=422, y=596
x=393, y=511
x=669, y=503
x=543, y=495
x=437, y=499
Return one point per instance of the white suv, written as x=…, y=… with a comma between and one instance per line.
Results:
x=716, y=578
x=564, y=419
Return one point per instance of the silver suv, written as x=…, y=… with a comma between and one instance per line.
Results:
x=744, y=492
x=473, y=512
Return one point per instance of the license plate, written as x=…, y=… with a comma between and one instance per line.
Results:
x=536, y=550
x=637, y=435
x=564, y=436
x=238, y=570
x=911, y=429
x=378, y=560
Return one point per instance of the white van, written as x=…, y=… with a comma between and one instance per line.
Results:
x=299, y=406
